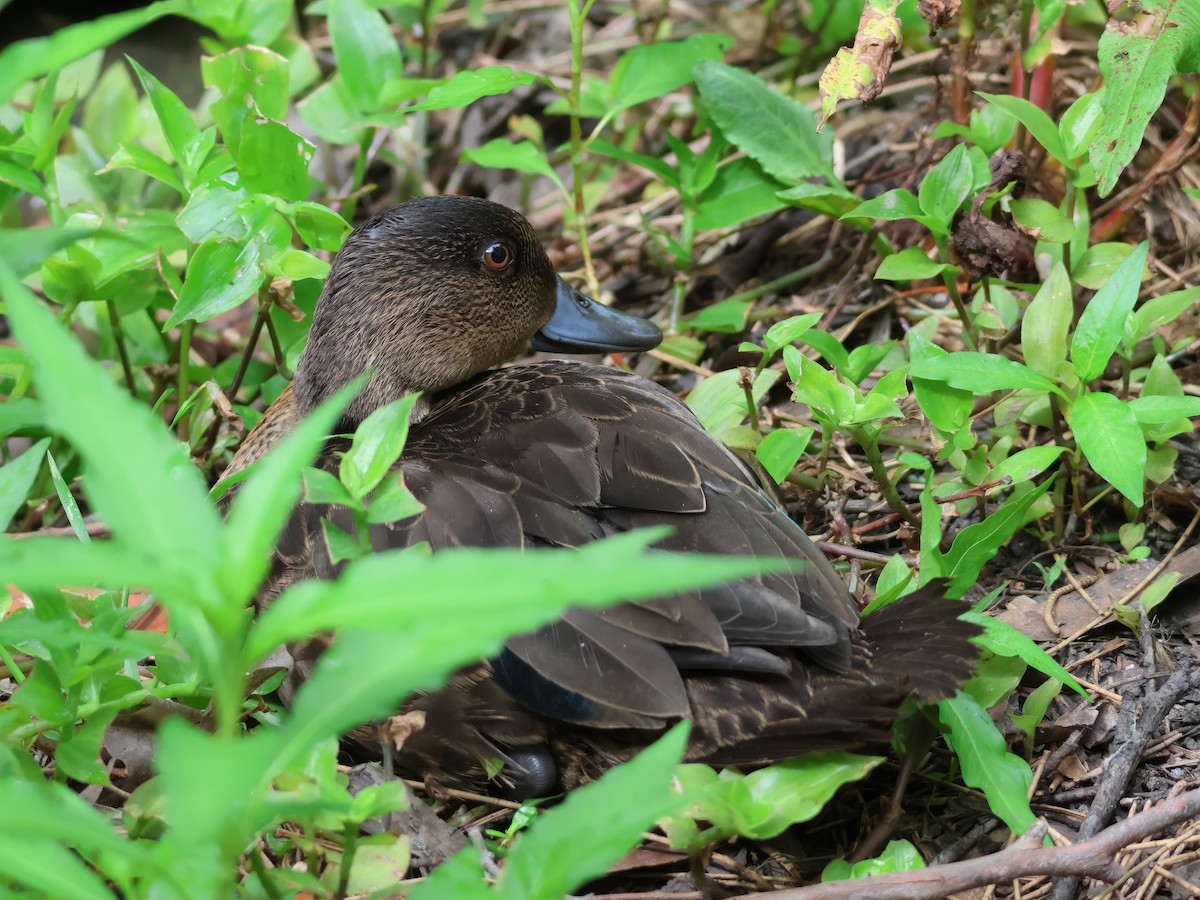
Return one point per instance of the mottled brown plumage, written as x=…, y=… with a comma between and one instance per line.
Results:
x=560, y=453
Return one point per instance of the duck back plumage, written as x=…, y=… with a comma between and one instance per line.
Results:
x=560, y=453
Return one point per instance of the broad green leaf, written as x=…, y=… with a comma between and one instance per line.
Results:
x=892, y=206
x=827, y=199
x=213, y=211
x=253, y=82
x=897, y=856
x=1033, y=117
x=367, y=54
x=946, y=186
x=949, y=408
x=596, y=825
x=392, y=501
x=1046, y=322
x=376, y=446
x=665, y=172
x=1044, y=221
x=221, y=275
x=26, y=60
x=776, y=131
x=50, y=869
x=382, y=591
x=780, y=450
x=1137, y=62
x=79, y=755
x=1157, y=409
x=273, y=159
x=1159, y=311
x=16, y=479
x=264, y=502
x=24, y=249
x=739, y=192
x=1025, y=464
x=986, y=763
x=1103, y=320
x=719, y=401
x=911, y=264
x=788, y=330
x=795, y=790
x=1098, y=262
x=1004, y=640
x=1035, y=706
x=136, y=475
x=981, y=373
x=178, y=127
x=725, y=316
x=470, y=85
x=648, y=71
x=522, y=156
x=1078, y=124
x=1108, y=434
x=318, y=226
x=976, y=545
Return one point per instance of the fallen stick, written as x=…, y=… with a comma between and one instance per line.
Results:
x=1092, y=858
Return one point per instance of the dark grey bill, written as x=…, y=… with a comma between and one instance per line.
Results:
x=581, y=325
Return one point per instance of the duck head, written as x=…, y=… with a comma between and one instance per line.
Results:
x=436, y=290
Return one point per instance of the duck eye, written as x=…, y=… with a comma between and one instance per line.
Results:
x=497, y=257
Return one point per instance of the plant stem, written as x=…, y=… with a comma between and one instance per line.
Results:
x=349, y=845
x=952, y=289
x=185, y=352
x=868, y=439
x=746, y=383
x=578, y=14
x=114, y=320
x=277, y=348
x=264, y=310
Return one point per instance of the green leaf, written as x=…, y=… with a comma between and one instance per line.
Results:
x=221, y=275
x=719, y=402
x=897, y=856
x=788, y=330
x=977, y=544
x=16, y=479
x=1103, y=320
x=136, y=475
x=828, y=200
x=318, y=226
x=1158, y=410
x=67, y=499
x=947, y=407
x=1044, y=221
x=1162, y=310
x=79, y=755
x=377, y=444
x=49, y=868
x=946, y=186
x=911, y=264
x=1033, y=117
x=1137, y=63
x=1108, y=434
x=776, y=131
x=1098, y=262
x=725, y=316
x=648, y=71
x=24, y=249
x=891, y=206
x=473, y=84
x=1026, y=464
x=142, y=160
x=780, y=450
x=392, y=592
x=26, y=60
x=986, y=763
x=392, y=501
x=739, y=192
x=1046, y=322
x=273, y=159
x=981, y=373
x=264, y=502
x=1078, y=124
x=367, y=54
x=595, y=826
x=253, y=82
x=522, y=156
x=1004, y=640
x=175, y=119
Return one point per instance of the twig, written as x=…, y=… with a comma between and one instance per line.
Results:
x=1129, y=745
x=1026, y=856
